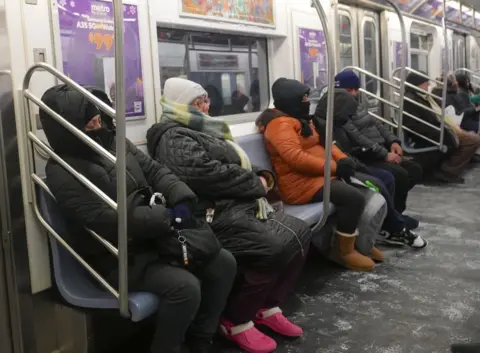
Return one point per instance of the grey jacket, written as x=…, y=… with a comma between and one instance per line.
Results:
x=369, y=133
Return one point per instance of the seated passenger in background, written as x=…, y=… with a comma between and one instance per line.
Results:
x=299, y=160
x=471, y=112
x=269, y=247
x=376, y=146
x=396, y=229
x=452, y=90
x=191, y=299
x=461, y=145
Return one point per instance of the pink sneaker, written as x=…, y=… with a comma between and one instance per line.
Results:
x=247, y=337
x=275, y=320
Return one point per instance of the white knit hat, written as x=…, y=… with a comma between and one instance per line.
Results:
x=182, y=91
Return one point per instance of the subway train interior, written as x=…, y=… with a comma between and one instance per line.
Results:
x=416, y=301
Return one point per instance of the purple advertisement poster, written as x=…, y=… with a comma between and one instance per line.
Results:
x=431, y=9
x=88, y=51
x=313, y=58
x=408, y=5
x=398, y=48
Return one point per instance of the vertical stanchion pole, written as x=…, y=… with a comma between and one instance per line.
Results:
x=121, y=157
x=328, y=131
x=445, y=74
x=403, y=68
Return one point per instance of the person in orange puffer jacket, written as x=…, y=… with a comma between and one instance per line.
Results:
x=298, y=157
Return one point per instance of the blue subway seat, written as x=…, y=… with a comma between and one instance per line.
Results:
x=74, y=283
x=254, y=146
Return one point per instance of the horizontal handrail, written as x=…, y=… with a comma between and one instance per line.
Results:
x=405, y=128
x=397, y=108
x=69, y=82
x=381, y=99
x=418, y=104
x=471, y=72
x=419, y=89
x=113, y=250
x=72, y=252
x=70, y=127
x=368, y=73
x=409, y=69
x=72, y=171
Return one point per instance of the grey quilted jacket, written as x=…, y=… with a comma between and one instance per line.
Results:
x=369, y=133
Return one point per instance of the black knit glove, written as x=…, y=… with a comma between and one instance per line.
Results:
x=345, y=169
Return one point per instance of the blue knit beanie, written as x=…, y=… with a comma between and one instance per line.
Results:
x=347, y=79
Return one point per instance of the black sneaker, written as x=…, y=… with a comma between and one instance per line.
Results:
x=405, y=237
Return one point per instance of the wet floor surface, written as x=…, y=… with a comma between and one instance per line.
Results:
x=416, y=302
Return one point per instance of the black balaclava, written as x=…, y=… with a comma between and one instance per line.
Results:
x=288, y=97
x=102, y=135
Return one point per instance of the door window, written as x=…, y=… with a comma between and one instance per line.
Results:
x=346, y=46
x=419, y=51
x=370, y=47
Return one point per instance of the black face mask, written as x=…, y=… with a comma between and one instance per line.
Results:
x=103, y=136
x=305, y=109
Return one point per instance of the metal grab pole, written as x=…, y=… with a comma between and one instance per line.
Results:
x=445, y=73
x=403, y=68
x=118, y=25
x=329, y=127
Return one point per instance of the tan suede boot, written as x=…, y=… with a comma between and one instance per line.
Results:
x=377, y=255
x=345, y=254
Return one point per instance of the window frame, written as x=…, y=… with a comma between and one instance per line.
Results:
x=420, y=51
x=263, y=69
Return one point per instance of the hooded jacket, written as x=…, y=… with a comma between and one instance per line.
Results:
x=298, y=160
x=212, y=168
x=365, y=132
x=449, y=138
x=147, y=226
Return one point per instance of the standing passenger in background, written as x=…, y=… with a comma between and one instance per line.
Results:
x=377, y=146
x=191, y=298
x=270, y=247
x=298, y=158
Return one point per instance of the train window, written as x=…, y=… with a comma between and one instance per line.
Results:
x=370, y=45
x=346, y=53
x=419, y=51
x=233, y=69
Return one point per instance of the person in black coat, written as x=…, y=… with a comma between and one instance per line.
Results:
x=396, y=229
x=471, y=113
x=461, y=145
x=375, y=145
x=184, y=303
x=269, y=246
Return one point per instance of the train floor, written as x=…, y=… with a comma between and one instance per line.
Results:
x=415, y=302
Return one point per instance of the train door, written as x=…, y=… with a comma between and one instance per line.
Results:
x=459, y=51
x=359, y=38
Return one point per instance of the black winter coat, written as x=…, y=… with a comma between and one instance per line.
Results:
x=449, y=138
x=452, y=99
x=148, y=226
x=365, y=133
x=469, y=111
x=212, y=168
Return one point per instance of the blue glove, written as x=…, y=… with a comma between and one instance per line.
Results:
x=181, y=216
